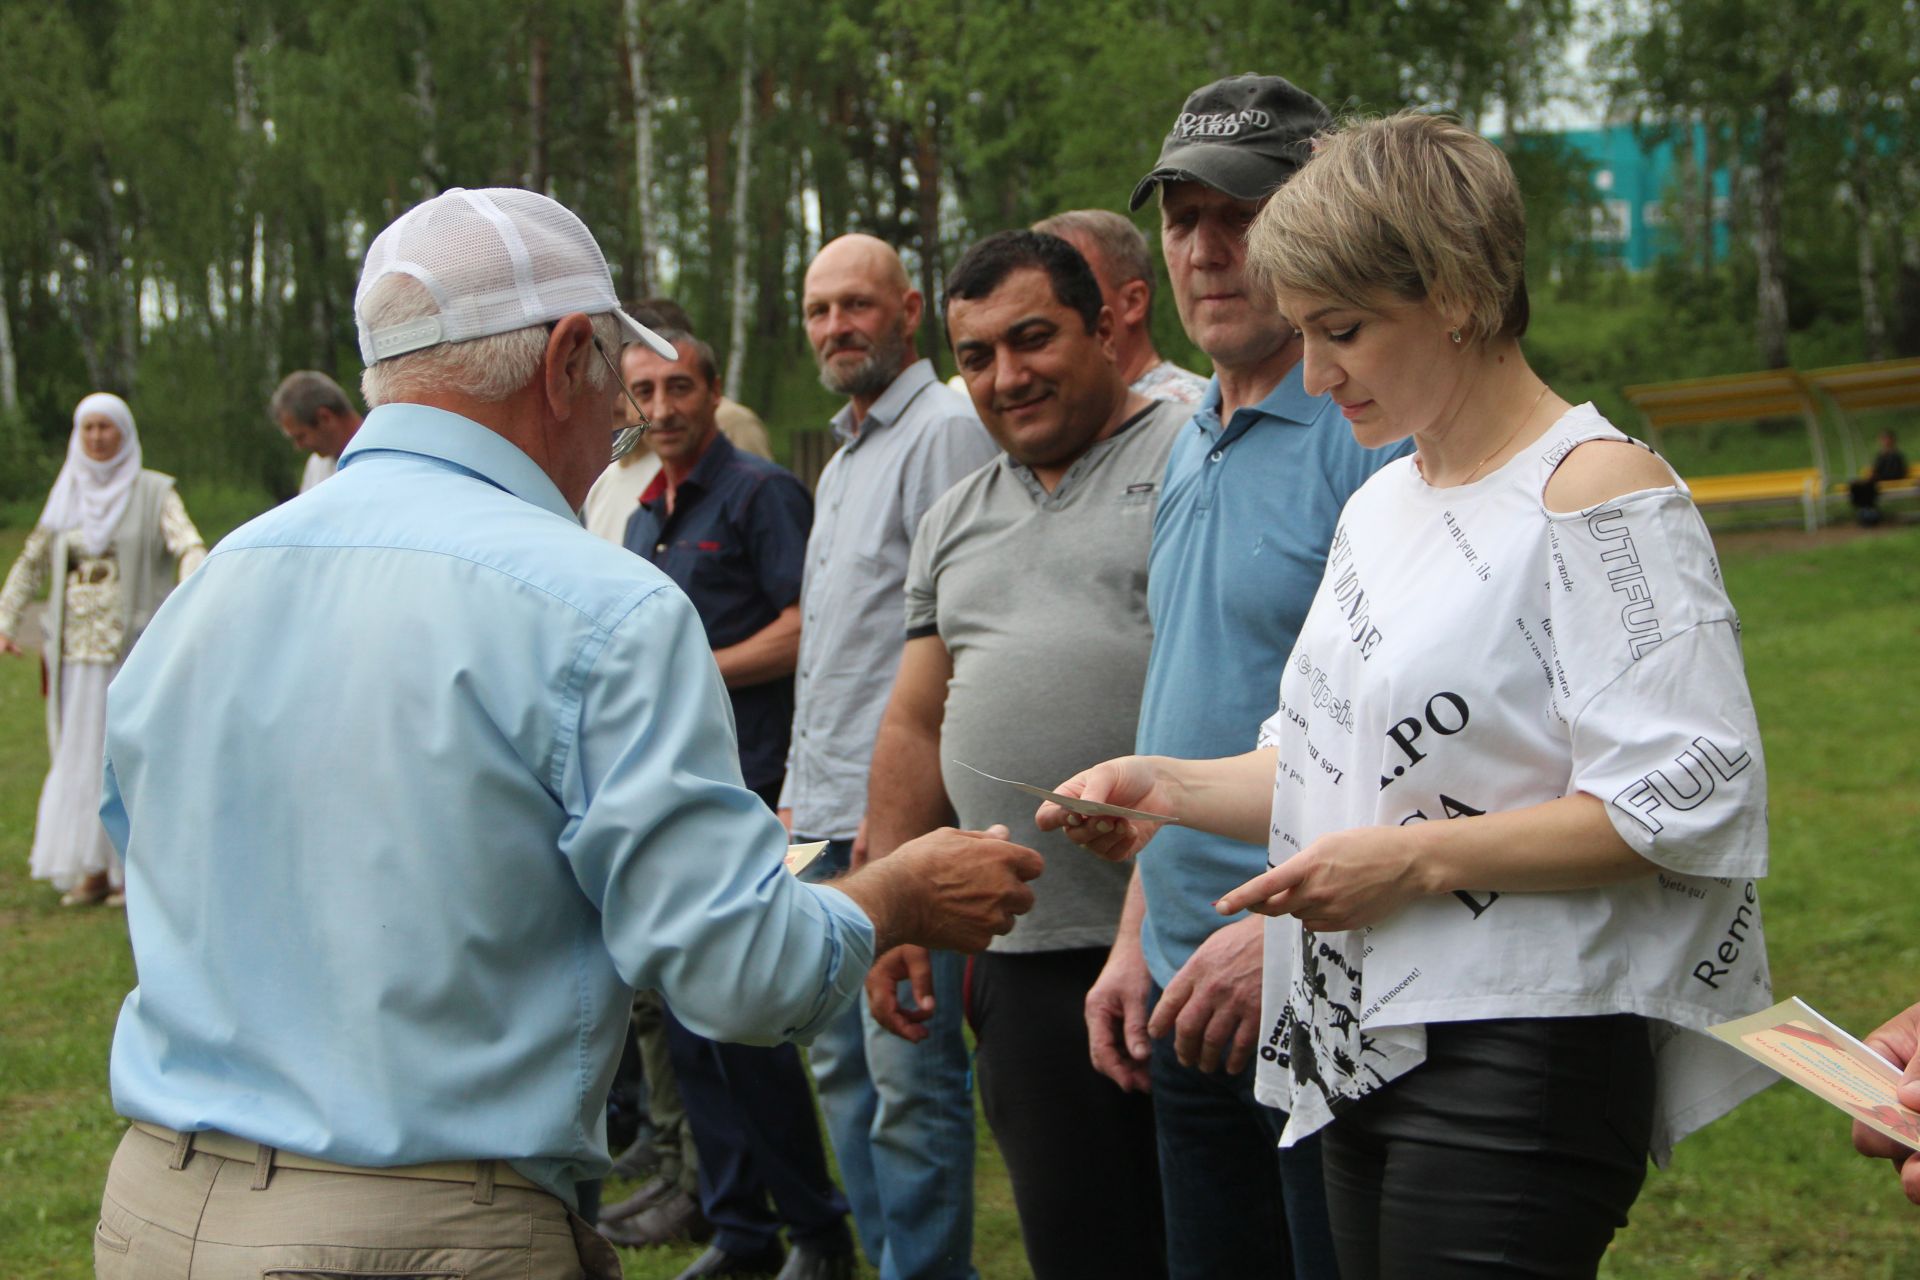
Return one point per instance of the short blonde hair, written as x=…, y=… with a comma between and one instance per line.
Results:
x=1415, y=206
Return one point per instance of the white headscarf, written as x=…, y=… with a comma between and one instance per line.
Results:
x=92, y=496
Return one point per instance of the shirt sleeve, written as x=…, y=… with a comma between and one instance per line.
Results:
x=183, y=541
x=682, y=860
x=778, y=519
x=923, y=605
x=1649, y=679
x=24, y=579
x=950, y=449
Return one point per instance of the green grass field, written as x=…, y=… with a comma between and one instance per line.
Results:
x=1832, y=626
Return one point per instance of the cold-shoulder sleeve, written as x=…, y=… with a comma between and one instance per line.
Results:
x=1649, y=678
x=24, y=579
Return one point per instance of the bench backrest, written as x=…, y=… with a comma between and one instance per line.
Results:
x=1857, y=388
x=1733, y=397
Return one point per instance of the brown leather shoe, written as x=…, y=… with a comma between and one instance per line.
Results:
x=674, y=1219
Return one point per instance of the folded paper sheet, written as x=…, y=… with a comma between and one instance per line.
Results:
x=1073, y=804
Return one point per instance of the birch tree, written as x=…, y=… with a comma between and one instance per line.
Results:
x=743, y=174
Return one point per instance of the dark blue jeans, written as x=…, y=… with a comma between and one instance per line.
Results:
x=753, y=1125
x=1236, y=1203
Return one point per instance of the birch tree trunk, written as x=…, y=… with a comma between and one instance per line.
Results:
x=9, y=364
x=743, y=170
x=1873, y=320
x=642, y=147
x=1769, y=250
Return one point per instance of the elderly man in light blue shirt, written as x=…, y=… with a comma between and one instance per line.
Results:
x=377, y=1022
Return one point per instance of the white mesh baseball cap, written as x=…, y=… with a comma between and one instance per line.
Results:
x=495, y=260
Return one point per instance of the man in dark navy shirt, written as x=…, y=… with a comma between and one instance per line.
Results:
x=731, y=530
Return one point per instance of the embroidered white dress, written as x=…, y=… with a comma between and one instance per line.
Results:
x=69, y=844
x=1468, y=652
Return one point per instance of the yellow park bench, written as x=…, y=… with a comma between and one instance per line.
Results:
x=1773, y=393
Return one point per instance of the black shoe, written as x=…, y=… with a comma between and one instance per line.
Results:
x=808, y=1263
x=718, y=1262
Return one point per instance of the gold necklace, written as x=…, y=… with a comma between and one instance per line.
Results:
x=1526, y=418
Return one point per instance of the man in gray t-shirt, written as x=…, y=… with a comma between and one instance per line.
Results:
x=1027, y=642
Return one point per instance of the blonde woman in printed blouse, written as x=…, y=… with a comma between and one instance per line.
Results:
x=110, y=538
x=1513, y=795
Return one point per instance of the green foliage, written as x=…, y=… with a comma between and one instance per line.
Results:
x=192, y=183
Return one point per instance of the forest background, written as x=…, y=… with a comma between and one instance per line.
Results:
x=187, y=186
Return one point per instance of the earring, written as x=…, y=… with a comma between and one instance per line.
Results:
x=1455, y=335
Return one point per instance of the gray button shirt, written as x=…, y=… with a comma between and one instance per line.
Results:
x=1041, y=599
x=919, y=437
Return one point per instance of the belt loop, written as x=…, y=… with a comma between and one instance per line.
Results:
x=182, y=1151
x=262, y=1167
x=483, y=1182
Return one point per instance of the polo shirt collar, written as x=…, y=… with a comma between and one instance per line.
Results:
x=893, y=402
x=720, y=452
x=447, y=437
x=1287, y=403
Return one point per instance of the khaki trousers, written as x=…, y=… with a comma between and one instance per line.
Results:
x=173, y=1212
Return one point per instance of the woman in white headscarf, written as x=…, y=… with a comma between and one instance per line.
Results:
x=111, y=538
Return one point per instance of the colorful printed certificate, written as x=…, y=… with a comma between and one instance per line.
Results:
x=1823, y=1059
x=800, y=856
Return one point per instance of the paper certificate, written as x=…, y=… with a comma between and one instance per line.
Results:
x=1824, y=1060
x=800, y=856
x=1089, y=808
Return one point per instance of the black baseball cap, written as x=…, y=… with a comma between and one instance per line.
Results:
x=1245, y=135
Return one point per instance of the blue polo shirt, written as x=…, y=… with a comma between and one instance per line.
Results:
x=736, y=543
x=1239, y=544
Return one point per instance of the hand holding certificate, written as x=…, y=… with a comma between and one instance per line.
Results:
x=1074, y=804
x=1823, y=1059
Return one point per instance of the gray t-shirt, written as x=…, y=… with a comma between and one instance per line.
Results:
x=1041, y=599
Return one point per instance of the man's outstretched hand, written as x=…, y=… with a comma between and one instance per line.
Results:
x=948, y=890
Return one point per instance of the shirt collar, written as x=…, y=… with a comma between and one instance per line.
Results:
x=1079, y=466
x=1287, y=402
x=720, y=451
x=893, y=402
x=448, y=437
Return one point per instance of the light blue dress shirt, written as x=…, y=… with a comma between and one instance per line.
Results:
x=415, y=779
x=1239, y=543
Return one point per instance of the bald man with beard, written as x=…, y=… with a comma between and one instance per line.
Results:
x=900, y=1115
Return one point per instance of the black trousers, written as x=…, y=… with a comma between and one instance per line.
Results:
x=1080, y=1150
x=1516, y=1149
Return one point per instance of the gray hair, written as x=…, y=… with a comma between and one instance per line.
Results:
x=303, y=393
x=1122, y=247
x=487, y=369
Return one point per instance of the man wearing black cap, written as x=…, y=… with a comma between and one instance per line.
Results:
x=1254, y=484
